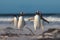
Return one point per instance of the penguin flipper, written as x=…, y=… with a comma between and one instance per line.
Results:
x=45, y=20
x=31, y=18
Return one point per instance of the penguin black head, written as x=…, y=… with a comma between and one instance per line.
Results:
x=37, y=13
x=21, y=14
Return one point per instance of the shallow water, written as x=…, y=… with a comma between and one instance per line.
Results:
x=54, y=23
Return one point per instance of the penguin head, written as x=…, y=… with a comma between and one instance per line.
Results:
x=21, y=14
x=38, y=13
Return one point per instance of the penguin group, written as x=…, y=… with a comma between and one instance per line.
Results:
x=37, y=20
x=19, y=22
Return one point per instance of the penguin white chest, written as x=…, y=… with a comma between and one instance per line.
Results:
x=21, y=19
x=20, y=22
x=15, y=21
x=36, y=21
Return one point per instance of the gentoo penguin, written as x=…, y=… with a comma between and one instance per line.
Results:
x=21, y=21
x=15, y=21
x=38, y=21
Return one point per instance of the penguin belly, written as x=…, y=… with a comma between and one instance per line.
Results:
x=36, y=22
x=15, y=21
x=20, y=22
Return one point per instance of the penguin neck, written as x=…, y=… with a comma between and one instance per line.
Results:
x=21, y=17
x=36, y=15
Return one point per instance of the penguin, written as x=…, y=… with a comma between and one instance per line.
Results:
x=15, y=21
x=21, y=22
x=38, y=21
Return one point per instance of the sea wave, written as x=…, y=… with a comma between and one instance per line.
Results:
x=49, y=18
x=6, y=19
x=52, y=19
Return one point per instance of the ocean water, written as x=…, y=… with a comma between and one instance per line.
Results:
x=54, y=22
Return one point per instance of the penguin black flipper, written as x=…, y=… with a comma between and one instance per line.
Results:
x=44, y=20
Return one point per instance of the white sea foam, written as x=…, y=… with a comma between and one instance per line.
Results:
x=6, y=19
x=53, y=19
x=49, y=18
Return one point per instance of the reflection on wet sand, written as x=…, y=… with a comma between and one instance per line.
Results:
x=51, y=33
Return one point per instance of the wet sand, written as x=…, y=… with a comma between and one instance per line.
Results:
x=23, y=37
